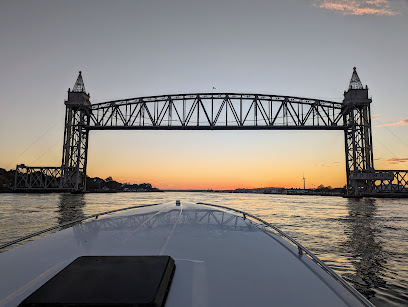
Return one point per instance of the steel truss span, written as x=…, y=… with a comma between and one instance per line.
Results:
x=220, y=111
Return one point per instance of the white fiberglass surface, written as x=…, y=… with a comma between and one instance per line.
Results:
x=221, y=259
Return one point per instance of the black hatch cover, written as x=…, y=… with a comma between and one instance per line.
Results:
x=108, y=280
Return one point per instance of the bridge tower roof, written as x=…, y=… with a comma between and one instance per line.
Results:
x=79, y=86
x=355, y=83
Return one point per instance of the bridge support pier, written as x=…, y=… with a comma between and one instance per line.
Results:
x=362, y=178
x=75, y=148
x=358, y=138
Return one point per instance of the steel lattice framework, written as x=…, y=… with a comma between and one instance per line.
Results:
x=220, y=111
x=41, y=177
x=74, y=157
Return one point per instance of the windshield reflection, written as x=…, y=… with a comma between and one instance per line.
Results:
x=128, y=225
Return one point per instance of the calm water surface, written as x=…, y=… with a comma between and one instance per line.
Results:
x=365, y=241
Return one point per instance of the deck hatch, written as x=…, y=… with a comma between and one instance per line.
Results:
x=108, y=280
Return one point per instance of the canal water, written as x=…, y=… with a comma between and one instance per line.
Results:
x=363, y=240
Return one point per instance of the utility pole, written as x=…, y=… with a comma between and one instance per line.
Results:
x=304, y=181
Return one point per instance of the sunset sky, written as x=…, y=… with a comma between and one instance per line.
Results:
x=304, y=48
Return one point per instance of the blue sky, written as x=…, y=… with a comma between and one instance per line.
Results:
x=138, y=48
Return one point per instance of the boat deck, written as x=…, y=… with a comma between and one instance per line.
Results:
x=222, y=259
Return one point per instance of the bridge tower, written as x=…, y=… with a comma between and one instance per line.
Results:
x=75, y=147
x=358, y=138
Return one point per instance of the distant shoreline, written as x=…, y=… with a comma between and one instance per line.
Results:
x=39, y=191
x=394, y=195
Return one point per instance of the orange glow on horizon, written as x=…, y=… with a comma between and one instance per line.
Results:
x=219, y=160
x=222, y=181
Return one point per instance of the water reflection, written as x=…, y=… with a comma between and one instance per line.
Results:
x=364, y=246
x=125, y=227
x=70, y=208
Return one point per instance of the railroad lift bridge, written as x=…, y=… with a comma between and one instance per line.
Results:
x=218, y=111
